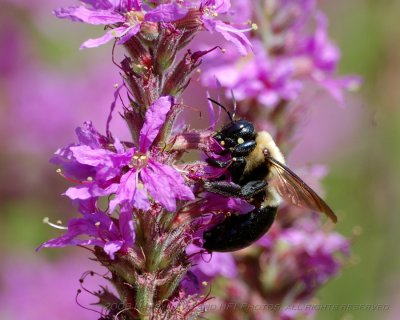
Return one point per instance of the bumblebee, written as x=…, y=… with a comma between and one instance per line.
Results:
x=259, y=175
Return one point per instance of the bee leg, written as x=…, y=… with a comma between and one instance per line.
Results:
x=251, y=188
x=243, y=149
x=218, y=163
x=230, y=189
x=224, y=188
x=237, y=167
x=239, y=231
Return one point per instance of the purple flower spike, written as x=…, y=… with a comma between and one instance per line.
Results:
x=298, y=51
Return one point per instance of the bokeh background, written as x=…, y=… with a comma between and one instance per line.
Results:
x=48, y=87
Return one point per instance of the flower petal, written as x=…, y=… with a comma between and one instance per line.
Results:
x=88, y=135
x=129, y=33
x=90, y=190
x=130, y=192
x=92, y=157
x=126, y=226
x=76, y=227
x=233, y=35
x=165, y=184
x=83, y=14
x=166, y=13
x=336, y=86
x=214, y=202
x=154, y=120
x=108, y=36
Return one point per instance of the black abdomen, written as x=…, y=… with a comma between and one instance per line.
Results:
x=239, y=231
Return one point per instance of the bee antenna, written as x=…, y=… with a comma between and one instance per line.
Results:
x=221, y=106
x=234, y=105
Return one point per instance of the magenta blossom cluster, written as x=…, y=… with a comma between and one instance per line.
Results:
x=303, y=257
x=126, y=18
x=291, y=51
x=134, y=175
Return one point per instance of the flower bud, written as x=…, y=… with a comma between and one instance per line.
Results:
x=166, y=48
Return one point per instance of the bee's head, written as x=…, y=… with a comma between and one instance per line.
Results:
x=235, y=132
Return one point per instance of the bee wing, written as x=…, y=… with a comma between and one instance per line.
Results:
x=295, y=190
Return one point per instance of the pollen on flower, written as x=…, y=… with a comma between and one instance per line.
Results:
x=210, y=11
x=138, y=161
x=97, y=224
x=90, y=179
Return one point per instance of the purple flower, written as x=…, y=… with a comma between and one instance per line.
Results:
x=211, y=9
x=98, y=229
x=319, y=48
x=314, y=255
x=124, y=17
x=205, y=267
x=321, y=57
x=131, y=174
x=64, y=157
x=265, y=79
x=294, y=54
x=216, y=203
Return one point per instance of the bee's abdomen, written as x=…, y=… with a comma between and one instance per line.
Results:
x=239, y=231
